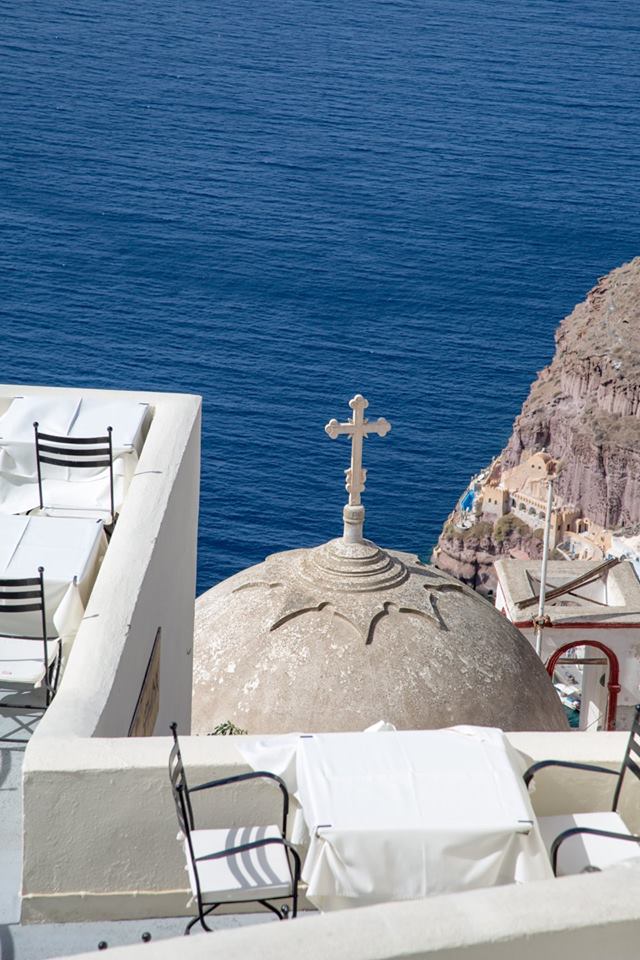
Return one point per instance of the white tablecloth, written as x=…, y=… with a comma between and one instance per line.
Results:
x=70, y=552
x=410, y=814
x=67, y=415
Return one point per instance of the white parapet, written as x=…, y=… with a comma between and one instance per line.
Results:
x=113, y=853
x=590, y=917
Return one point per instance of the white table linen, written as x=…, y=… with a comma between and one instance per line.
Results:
x=410, y=814
x=67, y=415
x=70, y=550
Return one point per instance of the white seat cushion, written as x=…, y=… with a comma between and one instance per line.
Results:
x=22, y=660
x=584, y=850
x=254, y=875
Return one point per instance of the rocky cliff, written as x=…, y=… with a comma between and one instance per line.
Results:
x=584, y=409
x=469, y=554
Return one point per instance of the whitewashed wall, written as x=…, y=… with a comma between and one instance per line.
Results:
x=114, y=854
x=591, y=917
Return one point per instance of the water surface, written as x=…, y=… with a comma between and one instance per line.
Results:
x=277, y=205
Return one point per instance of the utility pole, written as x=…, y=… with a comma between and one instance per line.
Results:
x=543, y=572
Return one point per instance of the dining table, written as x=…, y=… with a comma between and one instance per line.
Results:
x=73, y=415
x=401, y=815
x=70, y=550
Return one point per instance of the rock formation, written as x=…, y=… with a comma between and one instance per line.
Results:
x=469, y=555
x=584, y=409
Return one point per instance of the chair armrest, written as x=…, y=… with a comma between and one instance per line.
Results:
x=254, y=845
x=572, y=831
x=528, y=775
x=254, y=775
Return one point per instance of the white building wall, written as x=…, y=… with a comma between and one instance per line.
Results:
x=624, y=642
x=166, y=536
x=500, y=602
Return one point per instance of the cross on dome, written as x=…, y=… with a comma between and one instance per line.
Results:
x=357, y=428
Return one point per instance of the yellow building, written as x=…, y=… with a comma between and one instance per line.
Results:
x=522, y=491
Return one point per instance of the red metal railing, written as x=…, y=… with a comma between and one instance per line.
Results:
x=613, y=685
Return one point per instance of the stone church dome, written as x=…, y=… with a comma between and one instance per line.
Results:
x=339, y=636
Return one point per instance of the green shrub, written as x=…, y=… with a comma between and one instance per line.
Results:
x=227, y=729
x=483, y=528
x=479, y=530
x=507, y=525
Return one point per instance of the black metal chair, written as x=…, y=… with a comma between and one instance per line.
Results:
x=236, y=864
x=601, y=838
x=27, y=661
x=76, y=453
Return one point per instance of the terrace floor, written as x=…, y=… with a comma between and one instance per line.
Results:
x=41, y=941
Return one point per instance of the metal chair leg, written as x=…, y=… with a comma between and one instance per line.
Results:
x=192, y=923
x=199, y=918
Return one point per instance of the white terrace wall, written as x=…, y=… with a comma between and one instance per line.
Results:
x=113, y=853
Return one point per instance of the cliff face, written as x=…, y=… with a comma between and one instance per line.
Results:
x=470, y=555
x=584, y=409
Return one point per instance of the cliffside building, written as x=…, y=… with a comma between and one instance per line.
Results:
x=597, y=621
x=522, y=491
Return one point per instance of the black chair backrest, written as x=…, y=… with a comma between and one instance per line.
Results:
x=631, y=759
x=182, y=801
x=26, y=595
x=75, y=452
x=179, y=786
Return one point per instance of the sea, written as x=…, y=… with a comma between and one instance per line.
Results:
x=278, y=205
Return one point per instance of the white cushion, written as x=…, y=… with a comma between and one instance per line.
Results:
x=584, y=850
x=254, y=875
x=22, y=660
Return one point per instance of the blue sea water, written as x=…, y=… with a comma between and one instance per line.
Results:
x=277, y=205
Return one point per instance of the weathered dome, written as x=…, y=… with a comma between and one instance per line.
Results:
x=342, y=635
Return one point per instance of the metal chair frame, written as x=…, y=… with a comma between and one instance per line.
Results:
x=76, y=453
x=628, y=763
x=182, y=798
x=30, y=589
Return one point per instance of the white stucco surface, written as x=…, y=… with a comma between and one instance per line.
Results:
x=605, y=611
x=114, y=852
x=590, y=916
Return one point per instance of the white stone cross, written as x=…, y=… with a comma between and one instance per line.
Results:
x=357, y=428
